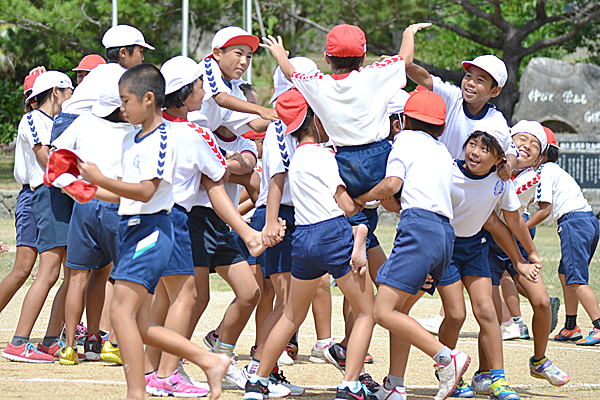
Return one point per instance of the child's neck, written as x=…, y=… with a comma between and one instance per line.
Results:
x=150, y=124
x=476, y=108
x=180, y=112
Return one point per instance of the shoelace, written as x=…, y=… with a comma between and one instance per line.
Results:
x=369, y=382
x=31, y=347
x=280, y=377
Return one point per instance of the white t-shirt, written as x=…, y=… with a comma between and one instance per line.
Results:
x=278, y=150
x=35, y=128
x=197, y=155
x=97, y=140
x=20, y=167
x=460, y=122
x=212, y=116
x=153, y=156
x=88, y=91
x=353, y=108
x=474, y=198
x=236, y=144
x=314, y=179
x=425, y=166
x=559, y=188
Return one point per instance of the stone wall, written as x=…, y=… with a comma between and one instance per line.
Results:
x=8, y=203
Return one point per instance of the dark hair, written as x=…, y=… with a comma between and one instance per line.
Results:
x=114, y=116
x=177, y=98
x=43, y=97
x=112, y=53
x=488, y=140
x=418, y=125
x=552, y=153
x=347, y=64
x=144, y=78
x=494, y=82
x=247, y=87
x=299, y=133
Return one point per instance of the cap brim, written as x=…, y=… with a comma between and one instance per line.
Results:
x=249, y=40
x=146, y=45
x=425, y=118
x=466, y=65
x=102, y=111
x=294, y=126
x=277, y=93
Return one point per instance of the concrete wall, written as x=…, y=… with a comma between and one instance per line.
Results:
x=8, y=203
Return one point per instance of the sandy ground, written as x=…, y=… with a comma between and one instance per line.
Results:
x=106, y=381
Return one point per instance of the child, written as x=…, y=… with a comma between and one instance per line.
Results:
x=87, y=64
x=423, y=244
x=146, y=234
x=51, y=216
x=224, y=101
x=322, y=242
x=558, y=194
x=468, y=105
x=93, y=239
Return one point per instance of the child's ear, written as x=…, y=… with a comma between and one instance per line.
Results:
x=217, y=53
x=123, y=53
x=396, y=127
x=149, y=98
x=327, y=60
x=496, y=91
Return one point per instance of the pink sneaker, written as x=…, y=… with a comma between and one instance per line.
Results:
x=26, y=352
x=55, y=349
x=174, y=385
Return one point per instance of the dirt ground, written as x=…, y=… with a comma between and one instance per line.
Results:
x=106, y=381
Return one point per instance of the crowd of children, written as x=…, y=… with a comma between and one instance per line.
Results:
x=141, y=182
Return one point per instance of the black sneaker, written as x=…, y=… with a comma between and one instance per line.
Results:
x=346, y=394
x=336, y=355
x=369, y=383
x=255, y=391
x=92, y=346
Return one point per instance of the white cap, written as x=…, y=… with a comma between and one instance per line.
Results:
x=124, y=35
x=233, y=35
x=280, y=82
x=109, y=98
x=49, y=80
x=178, y=72
x=490, y=64
x=533, y=128
x=500, y=136
x=396, y=105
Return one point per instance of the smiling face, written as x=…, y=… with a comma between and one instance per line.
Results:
x=477, y=88
x=479, y=157
x=233, y=60
x=529, y=147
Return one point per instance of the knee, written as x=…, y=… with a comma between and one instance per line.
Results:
x=455, y=319
x=250, y=297
x=540, y=303
x=202, y=299
x=486, y=314
x=268, y=293
x=380, y=315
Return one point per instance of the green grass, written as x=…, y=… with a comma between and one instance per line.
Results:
x=7, y=181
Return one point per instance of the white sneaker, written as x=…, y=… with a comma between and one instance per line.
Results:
x=431, y=323
x=450, y=374
x=511, y=331
x=397, y=393
x=285, y=359
x=276, y=389
x=189, y=379
x=317, y=355
x=279, y=378
x=234, y=375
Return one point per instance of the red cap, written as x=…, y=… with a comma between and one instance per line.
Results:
x=29, y=80
x=346, y=41
x=62, y=172
x=426, y=106
x=551, y=137
x=291, y=108
x=253, y=135
x=89, y=62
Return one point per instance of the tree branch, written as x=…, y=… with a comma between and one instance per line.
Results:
x=308, y=21
x=493, y=19
x=444, y=74
x=469, y=35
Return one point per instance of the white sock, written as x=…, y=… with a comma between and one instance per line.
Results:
x=322, y=343
x=393, y=381
x=354, y=386
x=507, y=323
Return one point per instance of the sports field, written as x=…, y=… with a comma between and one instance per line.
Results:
x=106, y=381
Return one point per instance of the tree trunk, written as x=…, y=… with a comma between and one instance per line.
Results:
x=509, y=96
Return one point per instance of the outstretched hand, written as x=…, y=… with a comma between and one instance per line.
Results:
x=414, y=28
x=275, y=46
x=269, y=114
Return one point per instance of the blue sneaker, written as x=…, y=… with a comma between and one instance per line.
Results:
x=463, y=390
x=500, y=390
x=481, y=382
x=592, y=339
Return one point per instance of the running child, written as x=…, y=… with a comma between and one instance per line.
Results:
x=558, y=194
x=146, y=231
x=322, y=243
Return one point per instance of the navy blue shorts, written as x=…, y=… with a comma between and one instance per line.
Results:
x=369, y=217
x=61, y=123
x=278, y=259
x=424, y=244
x=213, y=243
x=182, y=261
x=469, y=258
x=499, y=261
x=52, y=212
x=321, y=248
x=27, y=232
x=257, y=222
x=578, y=233
x=93, y=235
x=363, y=167
x=146, y=248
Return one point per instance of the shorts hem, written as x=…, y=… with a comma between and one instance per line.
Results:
x=145, y=284
x=400, y=286
x=50, y=247
x=28, y=244
x=84, y=267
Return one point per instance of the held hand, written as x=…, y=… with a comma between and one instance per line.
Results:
x=275, y=46
x=391, y=204
x=384, y=57
x=535, y=259
x=89, y=172
x=269, y=114
x=504, y=171
x=414, y=28
x=528, y=271
x=271, y=234
x=428, y=282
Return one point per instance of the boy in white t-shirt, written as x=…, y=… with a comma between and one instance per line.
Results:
x=146, y=231
x=559, y=195
x=468, y=105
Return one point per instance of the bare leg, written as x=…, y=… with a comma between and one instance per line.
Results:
x=571, y=301
x=399, y=349
x=73, y=307
x=321, y=309
x=24, y=261
x=57, y=313
x=510, y=295
x=105, y=318
x=281, y=284
x=265, y=304
x=540, y=302
x=587, y=298
x=202, y=297
x=454, y=306
x=158, y=313
x=95, y=296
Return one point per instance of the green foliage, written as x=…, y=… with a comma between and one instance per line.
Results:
x=11, y=98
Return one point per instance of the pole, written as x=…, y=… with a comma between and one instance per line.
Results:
x=114, y=13
x=249, y=29
x=185, y=27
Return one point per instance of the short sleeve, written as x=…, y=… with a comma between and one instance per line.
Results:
x=277, y=150
x=210, y=160
x=248, y=146
x=543, y=193
x=395, y=164
x=330, y=173
x=509, y=199
x=448, y=91
x=38, y=132
x=160, y=158
x=237, y=122
x=213, y=83
x=392, y=71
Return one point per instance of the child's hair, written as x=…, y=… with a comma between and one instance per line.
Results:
x=177, y=98
x=552, y=153
x=302, y=130
x=112, y=53
x=247, y=88
x=45, y=96
x=348, y=64
x=114, y=116
x=144, y=78
x=418, y=125
x=488, y=140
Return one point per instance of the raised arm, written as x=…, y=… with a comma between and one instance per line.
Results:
x=230, y=102
x=275, y=46
x=420, y=76
x=407, y=50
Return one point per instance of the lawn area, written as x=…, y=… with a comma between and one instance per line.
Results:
x=7, y=181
